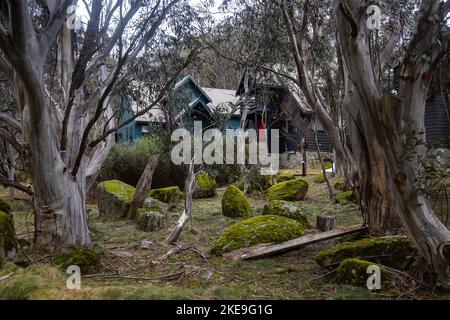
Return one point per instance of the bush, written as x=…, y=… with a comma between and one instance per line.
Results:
x=205, y=186
x=328, y=165
x=286, y=209
x=257, y=230
x=292, y=190
x=127, y=163
x=234, y=203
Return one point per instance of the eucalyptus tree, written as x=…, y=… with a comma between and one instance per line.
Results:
x=391, y=123
x=66, y=118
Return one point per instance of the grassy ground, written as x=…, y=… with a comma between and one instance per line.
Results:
x=131, y=272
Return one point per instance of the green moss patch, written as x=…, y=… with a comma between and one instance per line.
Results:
x=148, y=220
x=114, y=198
x=205, y=186
x=319, y=178
x=395, y=251
x=4, y=206
x=346, y=197
x=339, y=184
x=257, y=230
x=86, y=258
x=169, y=195
x=292, y=190
x=234, y=203
x=354, y=272
x=286, y=209
x=280, y=177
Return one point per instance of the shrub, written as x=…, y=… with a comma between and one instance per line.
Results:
x=292, y=190
x=234, y=203
x=253, y=231
x=127, y=163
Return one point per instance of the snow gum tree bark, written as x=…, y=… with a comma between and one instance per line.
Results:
x=392, y=126
x=67, y=131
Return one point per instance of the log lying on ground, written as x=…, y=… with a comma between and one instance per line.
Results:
x=266, y=250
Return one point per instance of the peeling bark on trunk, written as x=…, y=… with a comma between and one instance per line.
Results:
x=383, y=122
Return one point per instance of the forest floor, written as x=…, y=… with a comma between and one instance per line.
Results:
x=129, y=271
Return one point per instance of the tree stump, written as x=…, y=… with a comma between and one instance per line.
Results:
x=325, y=223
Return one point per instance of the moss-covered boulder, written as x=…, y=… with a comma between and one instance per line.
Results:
x=148, y=220
x=8, y=241
x=4, y=206
x=88, y=259
x=395, y=251
x=319, y=178
x=257, y=230
x=346, y=197
x=280, y=177
x=339, y=184
x=286, y=209
x=354, y=272
x=151, y=204
x=169, y=195
x=292, y=190
x=234, y=203
x=114, y=198
x=205, y=186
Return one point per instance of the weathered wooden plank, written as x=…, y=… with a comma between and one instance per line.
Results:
x=266, y=250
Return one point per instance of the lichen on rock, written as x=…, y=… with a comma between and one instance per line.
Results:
x=354, y=272
x=395, y=251
x=169, y=195
x=292, y=190
x=257, y=230
x=205, y=186
x=155, y=205
x=114, y=198
x=148, y=220
x=234, y=203
x=286, y=209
